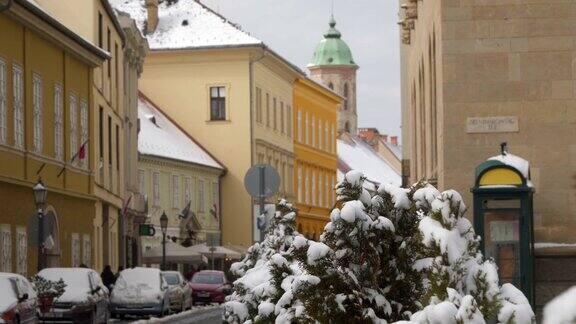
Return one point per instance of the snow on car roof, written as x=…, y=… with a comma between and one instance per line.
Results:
x=186, y=24
x=136, y=276
x=159, y=136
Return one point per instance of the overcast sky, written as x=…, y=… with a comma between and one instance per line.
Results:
x=293, y=28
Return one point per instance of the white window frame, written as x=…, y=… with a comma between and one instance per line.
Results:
x=155, y=188
x=73, y=125
x=215, y=194
x=84, y=130
x=22, y=251
x=187, y=192
x=320, y=142
x=328, y=191
x=320, y=189
x=326, y=137
x=37, y=103
x=307, y=129
x=307, y=185
x=75, y=250
x=201, y=202
x=332, y=139
x=314, y=187
x=5, y=248
x=142, y=181
x=18, y=105
x=58, y=122
x=300, y=125
x=175, y=191
x=86, y=250
x=289, y=120
x=300, y=189
x=3, y=102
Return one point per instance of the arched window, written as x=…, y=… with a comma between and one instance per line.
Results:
x=331, y=86
x=345, y=95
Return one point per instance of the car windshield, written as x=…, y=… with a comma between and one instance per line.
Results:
x=172, y=278
x=208, y=278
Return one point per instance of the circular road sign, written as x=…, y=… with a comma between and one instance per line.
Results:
x=262, y=180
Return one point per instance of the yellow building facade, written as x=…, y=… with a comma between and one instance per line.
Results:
x=95, y=20
x=46, y=73
x=315, y=119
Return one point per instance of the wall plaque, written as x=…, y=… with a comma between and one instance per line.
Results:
x=507, y=124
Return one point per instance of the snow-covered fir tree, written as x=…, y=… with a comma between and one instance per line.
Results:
x=394, y=255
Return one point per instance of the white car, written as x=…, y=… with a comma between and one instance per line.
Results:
x=179, y=291
x=85, y=297
x=140, y=291
x=17, y=300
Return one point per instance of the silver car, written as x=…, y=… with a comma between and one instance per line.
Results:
x=17, y=300
x=179, y=291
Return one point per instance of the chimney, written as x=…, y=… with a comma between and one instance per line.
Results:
x=394, y=140
x=152, y=22
x=384, y=138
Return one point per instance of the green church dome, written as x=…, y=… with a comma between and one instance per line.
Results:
x=332, y=50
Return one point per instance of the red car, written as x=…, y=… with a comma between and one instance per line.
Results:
x=210, y=286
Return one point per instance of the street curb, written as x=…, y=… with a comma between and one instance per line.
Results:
x=179, y=316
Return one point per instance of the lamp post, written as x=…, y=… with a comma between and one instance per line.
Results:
x=164, y=227
x=40, y=200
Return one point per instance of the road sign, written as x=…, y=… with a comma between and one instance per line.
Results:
x=32, y=228
x=146, y=230
x=262, y=180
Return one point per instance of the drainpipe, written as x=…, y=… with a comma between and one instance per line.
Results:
x=6, y=6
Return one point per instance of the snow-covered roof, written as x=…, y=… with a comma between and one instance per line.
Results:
x=355, y=154
x=395, y=149
x=186, y=24
x=160, y=136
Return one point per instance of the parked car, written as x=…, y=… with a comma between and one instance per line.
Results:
x=179, y=292
x=17, y=299
x=85, y=298
x=210, y=286
x=140, y=291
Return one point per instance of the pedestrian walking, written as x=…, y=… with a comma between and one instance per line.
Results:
x=108, y=277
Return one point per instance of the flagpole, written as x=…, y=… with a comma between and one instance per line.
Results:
x=73, y=158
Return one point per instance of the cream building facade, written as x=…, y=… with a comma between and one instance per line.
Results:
x=228, y=90
x=479, y=73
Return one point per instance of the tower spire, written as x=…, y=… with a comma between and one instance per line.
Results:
x=332, y=20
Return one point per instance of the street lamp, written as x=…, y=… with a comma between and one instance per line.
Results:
x=40, y=200
x=164, y=227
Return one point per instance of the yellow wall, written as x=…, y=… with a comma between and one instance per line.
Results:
x=179, y=82
x=195, y=173
x=70, y=195
x=316, y=157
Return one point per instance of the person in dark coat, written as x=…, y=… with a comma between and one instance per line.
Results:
x=108, y=277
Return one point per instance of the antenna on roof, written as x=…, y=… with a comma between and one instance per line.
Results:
x=332, y=10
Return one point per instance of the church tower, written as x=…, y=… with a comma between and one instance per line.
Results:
x=334, y=67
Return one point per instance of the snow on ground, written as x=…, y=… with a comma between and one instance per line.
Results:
x=186, y=24
x=159, y=136
x=358, y=155
x=562, y=309
x=183, y=316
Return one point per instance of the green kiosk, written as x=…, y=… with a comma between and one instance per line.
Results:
x=503, y=218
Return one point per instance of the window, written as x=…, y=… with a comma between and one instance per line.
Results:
x=18, y=88
x=3, y=102
x=117, y=148
x=300, y=191
x=116, y=62
x=37, y=112
x=201, y=201
x=142, y=182
x=175, y=191
x=314, y=131
x=328, y=191
x=215, y=195
x=5, y=248
x=73, y=124
x=259, y=105
x=326, y=137
x=21, y=251
x=314, y=193
x=290, y=179
x=84, y=130
x=307, y=130
x=87, y=250
x=110, y=142
x=299, y=121
x=101, y=133
x=345, y=96
x=267, y=109
x=156, y=189
x=284, y=178
x=75, y=250
x=320, y=141
x=282, y=126
x=320, y=190
x=187, y=195
x=100, y=24
x=275, y=116
x=289, y=119
x=331, y=86
x=307, y=186
x=58, y=123
x=217, y=103
x=108, y=39
x=332, y=139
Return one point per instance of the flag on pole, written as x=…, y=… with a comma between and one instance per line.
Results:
x=80, y=155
